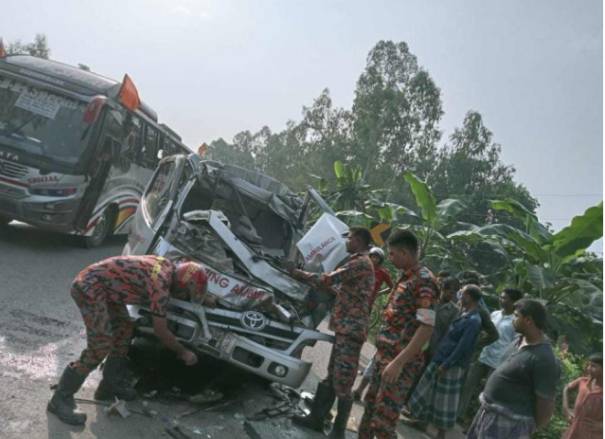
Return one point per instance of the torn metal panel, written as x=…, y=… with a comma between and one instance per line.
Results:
x=259, y=267
x=253, y=184
x=234, y=291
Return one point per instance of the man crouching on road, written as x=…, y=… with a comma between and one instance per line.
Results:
x=352, y=283
x=407, y=325
x=102, y=291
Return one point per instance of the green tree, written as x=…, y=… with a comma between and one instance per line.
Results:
x=39, y=47
x=300, y=152
x=241, y=152
x=396, y=111
x=327, y=136
x=283, y=157
x=469, y=167
x=392, y=127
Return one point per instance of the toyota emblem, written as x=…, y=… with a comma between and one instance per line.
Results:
x=253, y=320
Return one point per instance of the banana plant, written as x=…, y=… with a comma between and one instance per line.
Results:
x=554, y=267
x=357, y=204
x=435, y=217
x=351, y=189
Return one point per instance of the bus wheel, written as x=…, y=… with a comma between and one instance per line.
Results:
x=102, y=229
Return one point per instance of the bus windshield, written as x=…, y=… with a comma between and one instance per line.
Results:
x=41, y=123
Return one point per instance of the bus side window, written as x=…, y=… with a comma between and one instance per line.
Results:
x=165, y=146
x=162, y=151
x=132, y=138
x=168, y=146
x=149, y=151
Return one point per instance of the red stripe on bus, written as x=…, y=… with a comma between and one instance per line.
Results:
x=101, y=207
x=15, y=182
x=130, y=200
x=91, y=225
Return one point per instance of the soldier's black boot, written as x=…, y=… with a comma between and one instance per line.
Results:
x=115, y=382
x=322, y=403
x=62, y=403
x=342, y=417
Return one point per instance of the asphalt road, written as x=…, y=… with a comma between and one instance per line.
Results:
x=41, y=331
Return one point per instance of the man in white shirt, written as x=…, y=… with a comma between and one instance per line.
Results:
x=491, y=355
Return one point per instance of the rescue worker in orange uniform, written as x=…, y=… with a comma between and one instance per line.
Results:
x=352, y=283
x=408, y=322
x=101, y=292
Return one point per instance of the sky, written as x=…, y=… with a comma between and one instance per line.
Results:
x=213, y=68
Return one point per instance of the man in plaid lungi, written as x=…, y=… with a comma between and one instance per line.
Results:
x=497, y=422
x=435, y=398
x=519, y=395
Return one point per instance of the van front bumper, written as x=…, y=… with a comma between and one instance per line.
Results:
x=281, y=366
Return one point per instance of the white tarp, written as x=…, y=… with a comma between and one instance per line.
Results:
x=323, y=246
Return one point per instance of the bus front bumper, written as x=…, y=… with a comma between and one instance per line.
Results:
x=45, y=212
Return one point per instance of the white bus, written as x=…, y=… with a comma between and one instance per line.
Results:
x=76, y=148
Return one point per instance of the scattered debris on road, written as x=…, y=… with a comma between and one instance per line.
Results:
x=118, y=408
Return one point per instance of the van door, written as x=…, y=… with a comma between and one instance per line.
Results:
x=156, y=206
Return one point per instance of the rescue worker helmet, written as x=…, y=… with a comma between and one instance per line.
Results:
x=190, y=280
x=377, y=251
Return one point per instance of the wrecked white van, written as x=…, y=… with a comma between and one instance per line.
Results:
x=243, y=227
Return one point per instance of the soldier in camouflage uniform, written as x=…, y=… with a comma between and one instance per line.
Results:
x=352, y=284
x=102, y=292
x=407, y=325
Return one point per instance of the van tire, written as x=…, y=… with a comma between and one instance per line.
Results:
x=99, y=235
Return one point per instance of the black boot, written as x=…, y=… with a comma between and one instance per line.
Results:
x=115, y=382
x=322, y=403
x=62, y=402
x=342, y=417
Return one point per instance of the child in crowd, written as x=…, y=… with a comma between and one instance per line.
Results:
x=381, y=274
x=586, y=417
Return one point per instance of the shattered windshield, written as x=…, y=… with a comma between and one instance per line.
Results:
x=41, y=123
